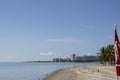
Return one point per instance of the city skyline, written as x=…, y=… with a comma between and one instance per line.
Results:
x=44, y=29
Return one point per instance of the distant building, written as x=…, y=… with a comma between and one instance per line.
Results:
x=90, y=58
x=62, y=60
x=79, y=59
x=83, y=58
x=56, y=60
x=73, y=57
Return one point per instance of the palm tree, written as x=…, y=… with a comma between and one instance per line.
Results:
x=110, y=53
x=102, y=56
x=107, y=54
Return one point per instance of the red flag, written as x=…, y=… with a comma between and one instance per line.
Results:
x=117, y=51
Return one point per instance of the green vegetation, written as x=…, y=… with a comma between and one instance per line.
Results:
x=106, y=54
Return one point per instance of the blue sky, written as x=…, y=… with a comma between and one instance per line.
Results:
x=43, y=29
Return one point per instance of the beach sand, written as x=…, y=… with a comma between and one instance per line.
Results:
x=96, y=72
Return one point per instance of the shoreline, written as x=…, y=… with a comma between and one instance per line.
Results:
x=94, y=72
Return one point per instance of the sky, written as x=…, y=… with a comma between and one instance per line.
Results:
x=43, y=29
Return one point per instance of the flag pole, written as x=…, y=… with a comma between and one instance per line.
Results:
x=115, y=28
x=117, y=78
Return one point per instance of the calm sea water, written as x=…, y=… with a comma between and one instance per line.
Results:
x=32, y=71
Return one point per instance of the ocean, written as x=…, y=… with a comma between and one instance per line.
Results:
x=33, y=70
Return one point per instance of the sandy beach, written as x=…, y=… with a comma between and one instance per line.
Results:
x=96, y=72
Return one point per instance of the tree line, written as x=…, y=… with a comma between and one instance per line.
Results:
x=106, y=54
